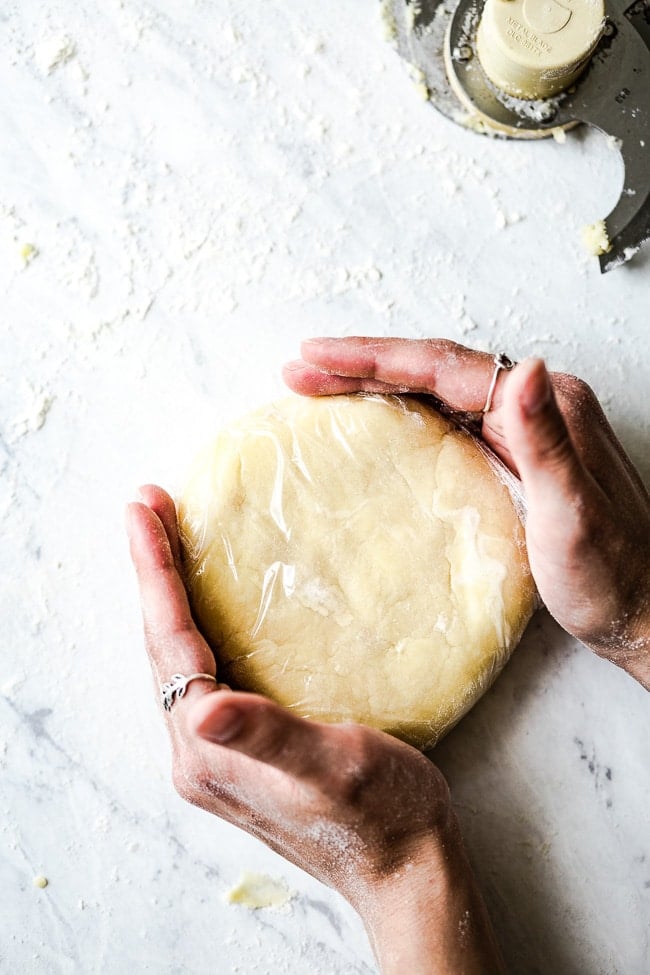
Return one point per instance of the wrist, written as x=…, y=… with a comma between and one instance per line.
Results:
x=429, y=914
x=632, y=651
x=628, y=642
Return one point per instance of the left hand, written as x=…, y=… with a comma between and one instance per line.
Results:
x=306, y=789
x=358, y=809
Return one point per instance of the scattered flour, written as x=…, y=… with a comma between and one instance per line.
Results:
x=54, y=51
x=34, y=415
x=504, y=219
x=10, y=686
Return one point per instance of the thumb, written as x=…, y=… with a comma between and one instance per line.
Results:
x=539, y=440
x=263, y=730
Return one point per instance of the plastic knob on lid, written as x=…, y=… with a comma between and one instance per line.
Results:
x=537, y=48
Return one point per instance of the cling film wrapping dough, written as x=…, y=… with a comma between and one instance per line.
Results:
x=356, y=558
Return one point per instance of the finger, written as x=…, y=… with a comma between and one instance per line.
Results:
x=598, y=446
x=459, y=376
x=456, y=376
x=554, y=477
x=159, y=501
x=173, y=641
x=268, y=733
x=309, y=380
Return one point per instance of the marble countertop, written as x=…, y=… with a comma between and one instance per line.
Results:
x=187, y=189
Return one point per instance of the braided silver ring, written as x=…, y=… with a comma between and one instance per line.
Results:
x=501, y=361
x=174, y=689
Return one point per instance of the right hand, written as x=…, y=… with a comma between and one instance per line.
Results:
x=588, y=522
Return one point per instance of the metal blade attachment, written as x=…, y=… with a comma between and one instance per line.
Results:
x=438, y=38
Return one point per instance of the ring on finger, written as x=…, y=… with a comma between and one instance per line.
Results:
x=501, y=361
x=174, y=689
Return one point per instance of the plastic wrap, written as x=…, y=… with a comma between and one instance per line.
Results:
x=356, y=558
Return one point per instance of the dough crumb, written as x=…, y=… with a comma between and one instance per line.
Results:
x=474, y=124
x=596, y=239
x=258, y=890
x=389, y=27
x=40, y=881
x=413, y=11
x=613, y=143
x=27, y=253
x=418, y=78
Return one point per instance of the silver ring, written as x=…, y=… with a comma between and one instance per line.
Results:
x=174, y=689
x=501, y=361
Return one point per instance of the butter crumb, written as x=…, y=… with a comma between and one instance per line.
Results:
x=258, y=890
x=596, y=239
x=418, y=78
x=27, y=253
x=40, y=881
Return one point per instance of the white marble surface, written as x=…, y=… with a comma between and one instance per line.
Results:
x=205, y=183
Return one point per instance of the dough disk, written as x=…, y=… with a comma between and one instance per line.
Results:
x=356, y=558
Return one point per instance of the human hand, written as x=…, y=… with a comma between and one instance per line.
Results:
x=359, y=810
x=588, y=519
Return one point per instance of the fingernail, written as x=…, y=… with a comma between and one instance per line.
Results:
x=223, y=725
x=296, y=365
x=537, y=392
x=316, y=340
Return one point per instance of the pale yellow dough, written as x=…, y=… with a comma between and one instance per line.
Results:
x=357, y=559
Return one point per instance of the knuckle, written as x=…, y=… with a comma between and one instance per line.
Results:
x=264, y=734
x=268, y=736
x=444, y=347
x=576, y=398
x=557, y=448
x=360, y=764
